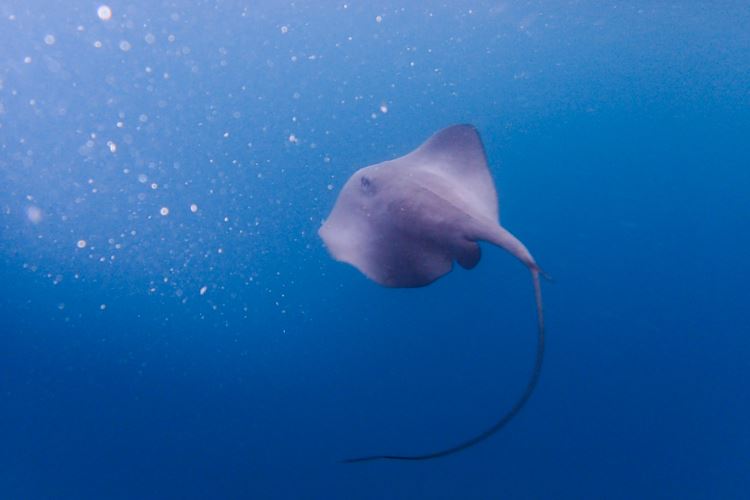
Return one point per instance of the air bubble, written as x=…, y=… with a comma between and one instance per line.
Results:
x=104, y=12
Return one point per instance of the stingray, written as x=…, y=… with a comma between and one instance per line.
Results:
x=404, y=222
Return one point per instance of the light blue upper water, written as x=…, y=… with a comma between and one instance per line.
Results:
x=171, y=325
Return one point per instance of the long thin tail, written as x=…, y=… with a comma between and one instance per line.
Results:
x=505, y=418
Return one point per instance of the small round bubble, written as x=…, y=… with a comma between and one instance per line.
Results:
x=104, y=12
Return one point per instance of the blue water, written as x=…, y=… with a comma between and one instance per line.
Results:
x=219, y=352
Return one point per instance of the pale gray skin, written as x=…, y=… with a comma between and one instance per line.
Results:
x=403, y=222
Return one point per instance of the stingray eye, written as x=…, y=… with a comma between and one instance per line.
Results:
x=366, y=185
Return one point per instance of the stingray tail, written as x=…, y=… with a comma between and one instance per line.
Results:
x=507, y=417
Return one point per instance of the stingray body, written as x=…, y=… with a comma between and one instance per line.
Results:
x=404, y=222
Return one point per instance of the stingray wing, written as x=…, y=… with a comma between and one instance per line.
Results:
x=457, y=155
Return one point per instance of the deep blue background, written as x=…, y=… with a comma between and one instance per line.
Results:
x=618, y=137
